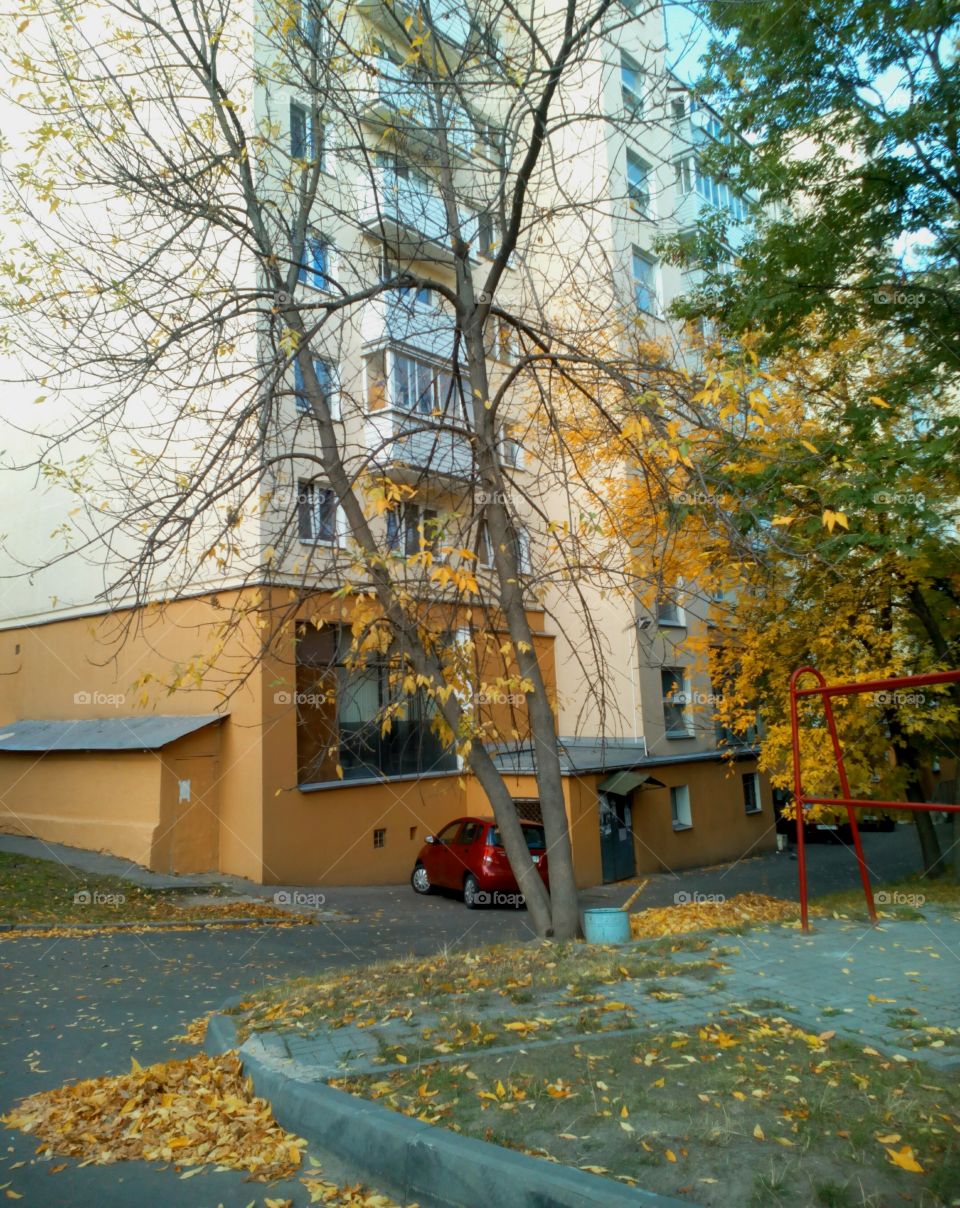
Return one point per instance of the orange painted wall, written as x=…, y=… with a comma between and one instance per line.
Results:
x=722, y=830
x=89, y=667
x=96, y=800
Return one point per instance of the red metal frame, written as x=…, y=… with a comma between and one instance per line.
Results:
x=801, y=801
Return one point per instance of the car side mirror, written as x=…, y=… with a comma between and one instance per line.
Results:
x=431, y=839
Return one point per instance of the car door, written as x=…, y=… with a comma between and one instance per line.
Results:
x=465, y=851
x=443, y=865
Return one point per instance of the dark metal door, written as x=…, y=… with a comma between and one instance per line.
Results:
x=617, y=854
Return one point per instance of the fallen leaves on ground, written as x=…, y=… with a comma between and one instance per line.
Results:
x=194, y=1033
x=701, y=916
x=196, y=1112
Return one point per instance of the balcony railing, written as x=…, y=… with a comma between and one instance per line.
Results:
x=408, y=207
x=391, y=319
x=409, y=438
x=450, y=19
x=407, y=99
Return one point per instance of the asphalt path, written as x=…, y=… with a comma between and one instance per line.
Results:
x=82, y=1005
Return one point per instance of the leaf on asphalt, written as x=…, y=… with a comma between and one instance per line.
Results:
x=192, y=1112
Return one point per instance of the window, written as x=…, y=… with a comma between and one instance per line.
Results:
x=676, y=702
x=315, y=269
x=306, y=28
x=521, y=548
x=380, y=836
x=669, y=612
x=488, y=235
x=638, y=183
x=512, y=452
x=419, y=386
x=500, y=340
x=484, y=546
x=327, y=377
x=317, y=514
x=631, y=83
x=678, y=108
x=692, y=178
x=411, y=528
x=306, y=139
x=341, y=709
x=680, y=807
x=751, y=792
x=645, y=283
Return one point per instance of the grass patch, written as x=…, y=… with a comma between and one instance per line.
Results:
x=901, y=900
x=47, y=893
x=486, y=981
x=748, y=1110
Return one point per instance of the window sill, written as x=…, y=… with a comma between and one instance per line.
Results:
x=753, y=813
x=672, y=624
x=314, y=543
x=678, y=735
x=682, y=826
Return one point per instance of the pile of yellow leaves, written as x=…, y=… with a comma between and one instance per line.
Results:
x=194, y=1112
x=701, y=916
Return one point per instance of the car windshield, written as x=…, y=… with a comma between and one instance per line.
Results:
x=533, y=834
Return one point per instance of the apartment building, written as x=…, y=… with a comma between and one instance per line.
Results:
x=221, y=719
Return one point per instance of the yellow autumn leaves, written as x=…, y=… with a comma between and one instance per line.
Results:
x=196, y=1112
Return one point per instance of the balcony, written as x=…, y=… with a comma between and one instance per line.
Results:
x=407, y=212
x=450, y=19
x=397, y=99
x=390, y=319
x=396, y=437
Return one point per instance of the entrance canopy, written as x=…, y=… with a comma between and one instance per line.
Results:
x=623, y=783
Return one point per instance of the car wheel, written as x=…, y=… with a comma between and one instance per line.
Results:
x=471, y=891
x=420, y=880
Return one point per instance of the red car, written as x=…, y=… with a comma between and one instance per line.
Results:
x=468, y=856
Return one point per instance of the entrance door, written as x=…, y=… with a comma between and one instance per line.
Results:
x=617, y=854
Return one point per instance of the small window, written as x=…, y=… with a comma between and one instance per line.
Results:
x=306, y=137
x=512, y=452
x=631, y=82
x=669, y=612
x=315, y=269
x=521, y=549
x=484, y=547
x=680, y=807
x=411, y=528
x=327, y=377
x=751, y=792
x=684, y=168
x=638, y=183
x=678, y=107
x=676, y=702
x=488, y=235
x=380, y=836
x=413, y=832
x=317, y=514
x=645, y=293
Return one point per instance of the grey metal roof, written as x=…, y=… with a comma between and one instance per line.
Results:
x=143, y=733
x=581, y=756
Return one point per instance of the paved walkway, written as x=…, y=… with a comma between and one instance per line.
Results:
x=895, y=987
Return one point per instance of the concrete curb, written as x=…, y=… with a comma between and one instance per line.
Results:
x=413, y=1161
x=158, y=924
